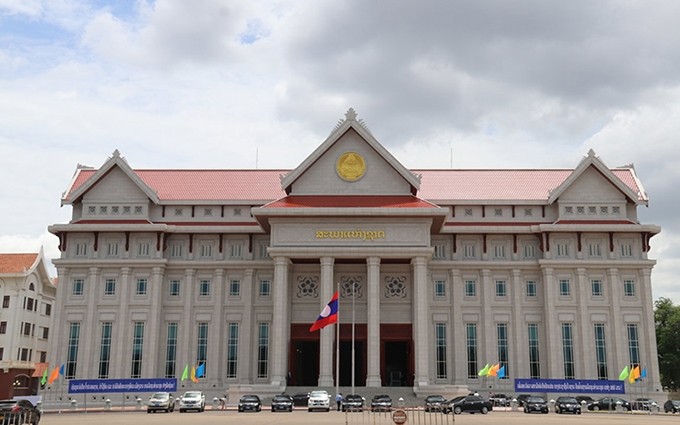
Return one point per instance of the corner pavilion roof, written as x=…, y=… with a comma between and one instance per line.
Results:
x=16, y=263
x=262, y=186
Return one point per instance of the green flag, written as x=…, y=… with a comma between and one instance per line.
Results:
x=624, y=374
x=484, y=371
x=185, y=374
x=43, y=380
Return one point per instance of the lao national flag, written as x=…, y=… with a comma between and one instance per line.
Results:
x=328, y=316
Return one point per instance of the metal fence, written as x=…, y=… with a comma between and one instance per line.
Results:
x=413, y=415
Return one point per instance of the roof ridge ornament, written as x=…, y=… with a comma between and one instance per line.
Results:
x=351, y=115
x=591, y=153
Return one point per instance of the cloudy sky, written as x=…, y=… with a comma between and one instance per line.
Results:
x=244, y=84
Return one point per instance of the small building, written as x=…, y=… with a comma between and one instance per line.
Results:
x=28, y=296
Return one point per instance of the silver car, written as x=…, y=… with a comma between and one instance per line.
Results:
x=160, y=401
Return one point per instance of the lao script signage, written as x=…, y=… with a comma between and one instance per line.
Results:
x=569, y=386
x=87, y=386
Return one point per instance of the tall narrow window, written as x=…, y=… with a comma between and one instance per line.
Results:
x=171, y=351
x=105, y=350
x=568, y=350
x=633, y=343
x=232, y=350
x=236, y=250
x=439, y=288
x=534, y=358
x=470, y=288
x=141, y=286
x=72, y=350
x=202, y=347
x=629, y=288
x=501, y=288
x=469, y=250
x=137, y=350
x=600, y=351
x=78, y=287
x=265, y=287
x=532, y=289
x=439, y=251
x=173, y=290
x=440, y=349
x=503, y=351
x=596, y=287
x=565, y=289
x=234, y=288
x=471, y=347
x=263, y=350
x=110, y=287
x=204, y=288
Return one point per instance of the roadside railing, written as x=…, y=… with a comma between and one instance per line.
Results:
x=404, y=415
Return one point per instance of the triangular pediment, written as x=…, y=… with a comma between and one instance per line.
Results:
x=350, y=162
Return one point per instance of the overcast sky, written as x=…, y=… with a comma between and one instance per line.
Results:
x=244, y=84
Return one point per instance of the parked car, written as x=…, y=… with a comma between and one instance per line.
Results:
x=250, y=403
x=567, y=405
x=672, y=406
x=381, y=402
x=161, y=401
x=499, y=400
x=436, y=403
x=469, y=403
x=282, y=403
x=300, y=399
x=18, y=412
x=641, y=403
x=581, y=398
x=609, y=403
x=535, y=403
x=521, y=398
x=352, y=402
x=319, y=400
x=192, y=400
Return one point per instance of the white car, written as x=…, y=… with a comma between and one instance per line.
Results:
x=192, y=400
x=319, y=400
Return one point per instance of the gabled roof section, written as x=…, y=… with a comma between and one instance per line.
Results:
x=591, y=160
x=350, y=121
x=114, y=161
x=17, y=263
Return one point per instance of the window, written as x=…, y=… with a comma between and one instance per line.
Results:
x=232, y=350
x=501, y=288
x=174, y=288
x=202, y=347
x=263, y=350
x=45, y=332
x=204, y=288
x=469, y=250
x=72, y=350
x=439, y=288
x=265, y=287
x=2, y=353
x=470, y=288
x=206, y=250
x=532, y=288
x=81, y=249
x=236, y=250
x=263, y=250
x=78, y=286
x=596, y=287
x=503, y=351
x=440, y=251
x=600, y=351
x=594, y=250
x=171, y=351
x=629, y=287
x=3, y=327
x=47, y=309
x=143, y=249
x=112, y=249
x=565, y=290
x=28, y=303
x=110, y=287
x=471, y=349
x=529, y=251
x=105, y=350
x=176, y=251
x=534, y=359
x=26, y=328
x=234, y=288
x=562, y=250
x=137, y=350
x=141, y=286
x=626, y=250
x=633, y=343
x=440, y=349
x=5, y=301
x=499, y=251
x=568, y=350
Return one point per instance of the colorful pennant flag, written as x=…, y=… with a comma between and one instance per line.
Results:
x=185, y=374
x=624, y=374
x=484, y=371
x=54, y=375
x=634, y=374
x=43, y=380
x=329, y=314
x=493, y=370
x=643, y=374
x=200, y=370
x=501, y=372
x=193, y=375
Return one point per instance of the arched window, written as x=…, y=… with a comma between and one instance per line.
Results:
x=31, y=287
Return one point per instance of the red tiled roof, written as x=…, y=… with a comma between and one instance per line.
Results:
x=16, y=263
x=436, y=185
x=325, y=201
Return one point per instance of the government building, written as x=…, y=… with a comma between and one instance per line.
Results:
x=544, y=272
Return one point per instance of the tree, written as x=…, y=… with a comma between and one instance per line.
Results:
x=667, y=321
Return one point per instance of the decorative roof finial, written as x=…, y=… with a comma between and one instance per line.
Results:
x=116, y=153
x=351, y=115
x=591, y=152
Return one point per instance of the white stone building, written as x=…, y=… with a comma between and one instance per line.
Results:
x=545, y=271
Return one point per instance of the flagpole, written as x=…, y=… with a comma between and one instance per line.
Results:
x=337, y=347
x=354, y=293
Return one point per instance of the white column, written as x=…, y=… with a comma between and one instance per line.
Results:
x=459, y=335
x=327, y=334
x=217, y=340
x=88, y=356
x=152, y=335
x=648, y=353
x=548, y=357
x=248, y=332
x=583, y=350
x=186, y=353
x=518, y=329
x=617, y=347
x=120, y=362
x=373, y=317
x=487, y=354
x=280, y=325
x=421, y=322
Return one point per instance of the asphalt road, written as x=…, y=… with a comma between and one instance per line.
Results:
x=321, y=418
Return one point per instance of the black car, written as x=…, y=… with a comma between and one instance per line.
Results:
x=609, y=403
x=567, y=405
x=381, y=403
x=672, y=406
x=535, y=403
x=581, y=398
x=249, y=403
x=435, y=403
x=282, y=403
x=18, y=412
x=352, y=403
x=300, y=399
x=469, y=403
x=521, y=398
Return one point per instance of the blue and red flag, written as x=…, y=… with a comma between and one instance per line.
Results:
x=328, y=316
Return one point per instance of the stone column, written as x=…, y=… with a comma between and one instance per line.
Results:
x=187, y=326
x=88, y=357
x=549, y=356
x=518, y=329
x=152, y=337
x=373, y=318
x=421, y=322
x=120, y=361
x=248, y=332
x=648, y=355
x=487, y=354
x=458, y=328
x=217, y=340
x=327, y=334
x=280, y=325
x=582, y=349
x=617, y=348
